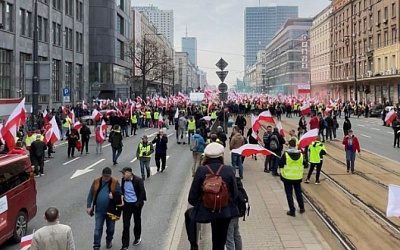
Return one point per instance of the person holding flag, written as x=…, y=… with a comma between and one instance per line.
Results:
x=100, y=136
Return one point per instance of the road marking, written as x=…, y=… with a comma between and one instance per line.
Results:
x=80, y=172
x=46, y=161
x=390, y=133
x=147, y=129
x=171, y=134
x=134, y=159
x=377, y=129
x=60, y=144
x=360, y=125
x=153, y=170
x=366, y=136
x=68, y=162
x=153, y=134
x=106, y=145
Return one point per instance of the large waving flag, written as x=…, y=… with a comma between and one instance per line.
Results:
x=255, y=127
x=266, y=117
x=251, y=149
x=96, y=115
x=390, y=117
x=9, y=130
x=308, y=138
x=305, y=109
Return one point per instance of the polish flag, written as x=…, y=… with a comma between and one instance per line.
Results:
x=120, y=103
x=308, y=138
x=280, y=128
x=252, y=149
x=26, y=241
x=100, y=132
x=266, y=117
x=96, y=115
x=209, y=107
x=53, y=134
x=9, y=136
x=390, y=117
x=72, y=116
x=84, y=106
x=9, y=130
x=45, y=116
x=255, y=126
x=78, y=125
x=305, y=109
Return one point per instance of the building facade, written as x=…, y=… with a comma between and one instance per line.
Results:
x=110, y=33
x=189, y=45
x=365, y=50
x=187, y=77
x=320, y=55
x=260, y=26
x=63, y=29
x=163, y=20
x=285, y=61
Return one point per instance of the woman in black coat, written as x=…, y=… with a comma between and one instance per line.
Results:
x=219, y=219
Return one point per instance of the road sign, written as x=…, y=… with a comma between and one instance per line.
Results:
x=66, y=92
x=223, y=87
x=221, y=64
x=223, y=96
x=222, y=75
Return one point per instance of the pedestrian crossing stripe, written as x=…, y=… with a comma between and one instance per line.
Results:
x=153, y=170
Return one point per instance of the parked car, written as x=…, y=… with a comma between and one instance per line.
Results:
x=17, y=196
x=376, y=110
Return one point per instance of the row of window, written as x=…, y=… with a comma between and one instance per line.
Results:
x=69, y=8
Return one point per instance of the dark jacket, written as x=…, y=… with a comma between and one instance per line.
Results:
x=267, y=140
x=37, y=149
x=222, y=137
x=115, y=139
x=73, y=137
x=161, y=144
x=202, y=214
x=346, y=125
x=102, y=203
x=85, y=133
x=329, y=122
x=240, y=122
x=138, y=186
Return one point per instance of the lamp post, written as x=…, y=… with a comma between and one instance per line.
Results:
x=35, y=78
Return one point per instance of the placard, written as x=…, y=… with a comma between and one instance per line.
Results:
x=3, y=212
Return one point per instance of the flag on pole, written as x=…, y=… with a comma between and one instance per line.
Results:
x=390, y=117
x=266, y=117
x=26, y=241
x=96, y=115
x=9, y=130
x=308, y=138
x=305, y=108
x=176, y=113
x=252, y=149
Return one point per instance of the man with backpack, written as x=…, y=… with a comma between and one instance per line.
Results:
x=276, y=143
x=197, y=145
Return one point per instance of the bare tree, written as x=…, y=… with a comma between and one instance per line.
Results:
x=150, y=60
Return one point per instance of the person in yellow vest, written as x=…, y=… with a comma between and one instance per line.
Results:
x=31, y=137
x=214, y=116
x=143, y=154
x=191, y=128
x=292, y=168
x=156, y=116
x=316, y=152
x=148, y=118
x=66, y=126
x=134, y=122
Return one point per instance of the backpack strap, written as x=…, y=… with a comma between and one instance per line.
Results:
x=210, y=170
x=219, y=169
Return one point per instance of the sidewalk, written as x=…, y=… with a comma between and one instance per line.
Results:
x=268, y=226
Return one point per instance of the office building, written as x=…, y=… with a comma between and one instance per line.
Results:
x=260, y=26
x=189, y=45
x=162, y=19
x=63, y=29
x=110, y=33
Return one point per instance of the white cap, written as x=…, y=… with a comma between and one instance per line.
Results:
x=214, y=150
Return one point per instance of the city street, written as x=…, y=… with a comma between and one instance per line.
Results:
x=57, y=189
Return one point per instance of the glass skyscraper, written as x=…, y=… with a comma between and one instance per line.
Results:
x=260, y=26
x=189, y=45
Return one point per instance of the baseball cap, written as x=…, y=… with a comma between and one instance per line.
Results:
x=107, y=171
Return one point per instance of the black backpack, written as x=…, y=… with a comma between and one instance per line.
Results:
x=242, y=200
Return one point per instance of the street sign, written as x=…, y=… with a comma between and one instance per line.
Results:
x=66, y=92
x=223, y=87
x=223, y=96
x=222, y=75
x=221, y=64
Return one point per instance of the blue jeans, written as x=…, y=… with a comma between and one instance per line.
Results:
x=100, y=218
x=145, y=164
x=274, y=164
x=237, y=163
x=116, y=152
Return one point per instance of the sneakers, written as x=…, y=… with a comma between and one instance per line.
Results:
x=293, y=214
x=317, y=183
x=137, y=241
x=307, y=181
x=302, y=211
x=109, y=245
x=124, y=248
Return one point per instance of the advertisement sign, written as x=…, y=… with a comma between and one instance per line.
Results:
x=196, y=97
x=3, y=212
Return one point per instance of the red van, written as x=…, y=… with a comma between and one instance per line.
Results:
x=17, y=196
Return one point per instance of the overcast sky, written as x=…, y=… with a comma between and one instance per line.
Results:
x=218, y=26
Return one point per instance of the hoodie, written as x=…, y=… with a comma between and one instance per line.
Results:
x=294, y=153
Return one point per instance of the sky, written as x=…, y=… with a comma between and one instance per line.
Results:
x=218, y=26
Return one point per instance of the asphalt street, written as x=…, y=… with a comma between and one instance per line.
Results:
x=164, y=191
x=373, y=136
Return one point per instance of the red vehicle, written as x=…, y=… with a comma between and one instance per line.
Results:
x=17, y=196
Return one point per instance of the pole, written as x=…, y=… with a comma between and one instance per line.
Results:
x=353, y=35
x=173, y=81
x=144, y=68
x=35, y=78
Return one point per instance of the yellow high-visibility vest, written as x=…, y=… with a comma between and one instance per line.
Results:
x=133, y=119
x=192, y=125
x=148, y=115
x=156, y=115
x=144, y=149
x=315, y=149
x=293, y=170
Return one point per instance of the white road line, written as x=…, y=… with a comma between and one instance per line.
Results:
x=60, y=144
x=68, y=162
x=366, y=136
x=147, y=129
x=171, y=134
x=390, y=133
x=360, y=125
x=168, y=157
x=153, y=170
x=46, y=161
x=377, y=129
x=88, y=169
x=153, y=134
x=106, y=145
x=134, y=159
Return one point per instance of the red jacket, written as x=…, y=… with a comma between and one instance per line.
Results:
x=356, y=144
x=314, y=123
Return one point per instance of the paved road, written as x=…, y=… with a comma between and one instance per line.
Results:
x=57, y=188
x=372, y=135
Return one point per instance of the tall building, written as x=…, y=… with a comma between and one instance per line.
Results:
x=110, y=33
x=63, y=46
x=285, y=60
x=189, y=45
x=320, y=43
x=162, y=19
x=260, y=26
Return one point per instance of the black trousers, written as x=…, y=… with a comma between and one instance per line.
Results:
x=127, y=212
x=85, y=144
x=133, y=128
x=396, y=139
x=163, y=158
x=289, y=186
x=219, y=228
x=71, y=150
x=38, y=162
x=317, y=166
x=191, y=229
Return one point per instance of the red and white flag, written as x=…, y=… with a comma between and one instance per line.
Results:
x=100, y=132
x=84, y=105
x=78, y=125
x=266, y=117
x=255, y=127
x=280, y=128
x=72, y=116
x=45, y=116
x=308, y=138
x=390, y=117
x=53, y=133
x=9, y=130
x=252, y=149
x=26, y=242
x=96, y=115
x=305, y=109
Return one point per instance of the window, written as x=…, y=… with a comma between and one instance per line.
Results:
x=56, y=79
x=393, y=10
x=120, y=50
x=22, y=59
x=379, y=17
x=12, y=175
x=68, y=7
x=26, y=22
x=43, y=31
x=44, y=1
x=79, y=81
x=386, y=13
x=5, y=73
x=68, y=38
x=379, y=42
x=68, y=75
x=120, y=4
x=6, y=16
x=120, y=24
x=79, y=42
x=56, y=34
x=57, y=4
x=394, y=35
x=79, y=10
x=385, y=38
